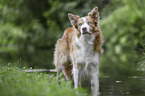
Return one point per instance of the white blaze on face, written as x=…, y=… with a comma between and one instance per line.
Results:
x=85, y=25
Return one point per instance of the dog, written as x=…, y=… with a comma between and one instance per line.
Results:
x=79, y=50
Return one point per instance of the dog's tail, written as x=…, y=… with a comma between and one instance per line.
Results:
x=61, y=56
x=56, y=54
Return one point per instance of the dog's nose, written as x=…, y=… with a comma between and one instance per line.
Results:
x=84, y=29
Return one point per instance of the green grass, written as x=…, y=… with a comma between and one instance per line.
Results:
x=15, y=82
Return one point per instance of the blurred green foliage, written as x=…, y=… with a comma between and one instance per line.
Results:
x=30, y=28
x=124, y=34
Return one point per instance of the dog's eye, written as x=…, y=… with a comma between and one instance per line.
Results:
x=80, y=24
x=89, y=23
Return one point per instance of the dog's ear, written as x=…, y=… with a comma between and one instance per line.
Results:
x=73, y=19
x=94, y=14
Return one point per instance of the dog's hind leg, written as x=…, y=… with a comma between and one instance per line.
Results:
x=57, y=76
x=67, y=72
x=58, y=70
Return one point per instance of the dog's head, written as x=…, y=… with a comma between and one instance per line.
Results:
x=85, y=25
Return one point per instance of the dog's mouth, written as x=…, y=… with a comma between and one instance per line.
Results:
x=86, y=33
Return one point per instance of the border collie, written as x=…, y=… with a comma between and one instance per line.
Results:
x=79, y=50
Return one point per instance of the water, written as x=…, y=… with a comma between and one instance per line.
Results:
x=38, y=59
x=122, y=86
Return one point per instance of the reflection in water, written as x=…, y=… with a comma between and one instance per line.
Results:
x=119, y=86
x=37, y=59
x=122, y=86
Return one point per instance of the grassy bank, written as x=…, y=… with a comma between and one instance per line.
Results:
x=15, y=82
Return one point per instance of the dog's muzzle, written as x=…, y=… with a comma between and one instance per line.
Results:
x=85, y=31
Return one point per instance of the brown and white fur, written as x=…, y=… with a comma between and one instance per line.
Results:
x=79, y=49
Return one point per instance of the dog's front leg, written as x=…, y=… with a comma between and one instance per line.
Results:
x=76, y=76
x=95, y=81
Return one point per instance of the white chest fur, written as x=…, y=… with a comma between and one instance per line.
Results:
x=85, y=51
